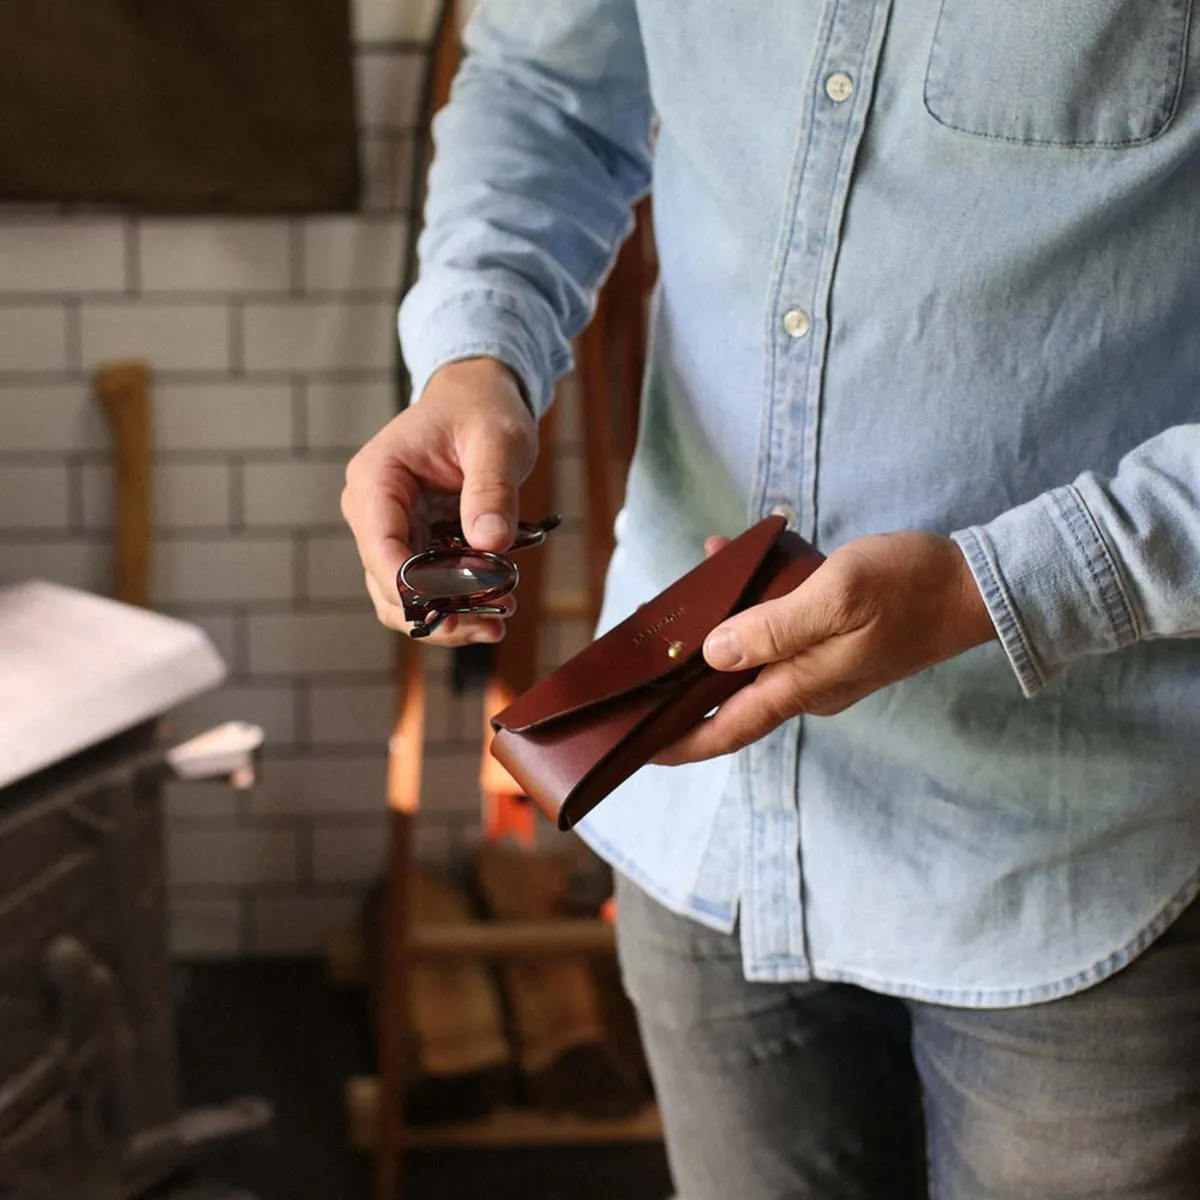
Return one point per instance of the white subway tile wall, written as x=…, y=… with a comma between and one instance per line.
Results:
x=174, y=337
x=272, y=344
x=29, y=554
x=42, y=255
x=221, y=256
x=198, y=855
x=33, y=338
x=332, y=569
x=348, y=854
x=353, y=254
x=221, y=570
x=191, y=800
x=296, y=923
x=318, y=643
x=224, y=631
x=55, y=419
x=383, y=21
x=296, y=493
x=320, y=337
x=389, y=91
x=34, y=498
x=275, y=707
x=378, y=167
x=206, y=928
x=224, y=415
x=186, y=495
x=353, y=714
x=307, y=782
x=344, y=416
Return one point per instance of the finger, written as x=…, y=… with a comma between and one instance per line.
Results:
x=713, y=544
x=745, y=717
x=779, y=693
x=387, y=610
x=455, y=630
x=468, y=628
x=775, y=630
x=477, y=631
x=375, y=503
x=494, y=459
x=391, y=614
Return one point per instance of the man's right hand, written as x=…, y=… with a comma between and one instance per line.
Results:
x=471, y=433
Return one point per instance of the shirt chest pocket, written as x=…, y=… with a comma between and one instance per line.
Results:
x=1058, y=72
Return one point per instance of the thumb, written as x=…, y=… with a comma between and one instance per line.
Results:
x=495, y=460
x=774, y=630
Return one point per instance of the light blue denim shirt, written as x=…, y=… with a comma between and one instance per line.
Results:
x=924, y=264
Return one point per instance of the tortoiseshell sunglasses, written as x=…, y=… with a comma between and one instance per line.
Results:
x=452, y=578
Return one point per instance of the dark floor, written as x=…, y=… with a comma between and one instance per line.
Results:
x=274, y=1029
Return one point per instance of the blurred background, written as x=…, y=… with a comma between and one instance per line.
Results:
x=272, y=344
x=223, y=199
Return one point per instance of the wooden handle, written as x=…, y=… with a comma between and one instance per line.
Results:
x=406, y=746
x=124, y=391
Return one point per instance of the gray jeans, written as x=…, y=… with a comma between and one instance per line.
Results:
x=830, y=1092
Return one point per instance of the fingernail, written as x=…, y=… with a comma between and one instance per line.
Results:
x=491, y=527
x=722, y=649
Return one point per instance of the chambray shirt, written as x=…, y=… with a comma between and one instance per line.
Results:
x=924, y=264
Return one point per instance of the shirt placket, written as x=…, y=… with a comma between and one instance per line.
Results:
x=842, y=78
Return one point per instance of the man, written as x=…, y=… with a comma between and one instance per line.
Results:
x=928, y=287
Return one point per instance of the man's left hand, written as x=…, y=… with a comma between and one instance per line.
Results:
x=879, y=609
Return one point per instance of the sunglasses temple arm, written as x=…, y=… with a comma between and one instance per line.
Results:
x=528, y=538
x=424, y=628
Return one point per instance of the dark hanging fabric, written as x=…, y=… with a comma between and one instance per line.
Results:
x=178, y=105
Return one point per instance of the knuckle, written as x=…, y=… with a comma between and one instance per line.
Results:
x=847, y=604
x=825, y=704
x=491, y=484
x=355, y=469
x=738, y=739
x=839, y=603
x=515, y=442
x=778, y=635
x=514, y=431
x=803, y=692
x=783, y=709
x=525, y=445
x=854, y=592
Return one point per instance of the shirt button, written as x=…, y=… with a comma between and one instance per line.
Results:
x=787, y=512
x=839, y=87
x=796, y=323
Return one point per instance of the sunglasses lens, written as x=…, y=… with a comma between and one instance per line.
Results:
x=463, y=575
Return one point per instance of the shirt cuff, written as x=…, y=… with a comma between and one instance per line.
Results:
x=1050, y=585
x=483, y=322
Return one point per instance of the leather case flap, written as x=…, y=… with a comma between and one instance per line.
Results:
x=661, y=639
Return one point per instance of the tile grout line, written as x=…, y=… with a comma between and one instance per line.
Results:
x=237, y=337
x=72, y=336
x=299, y=413
x=75, y=514
x=237, y=494
x=240, y=666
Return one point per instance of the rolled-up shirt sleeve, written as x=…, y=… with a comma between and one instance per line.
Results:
x=539, y=157
x=1097, y=564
